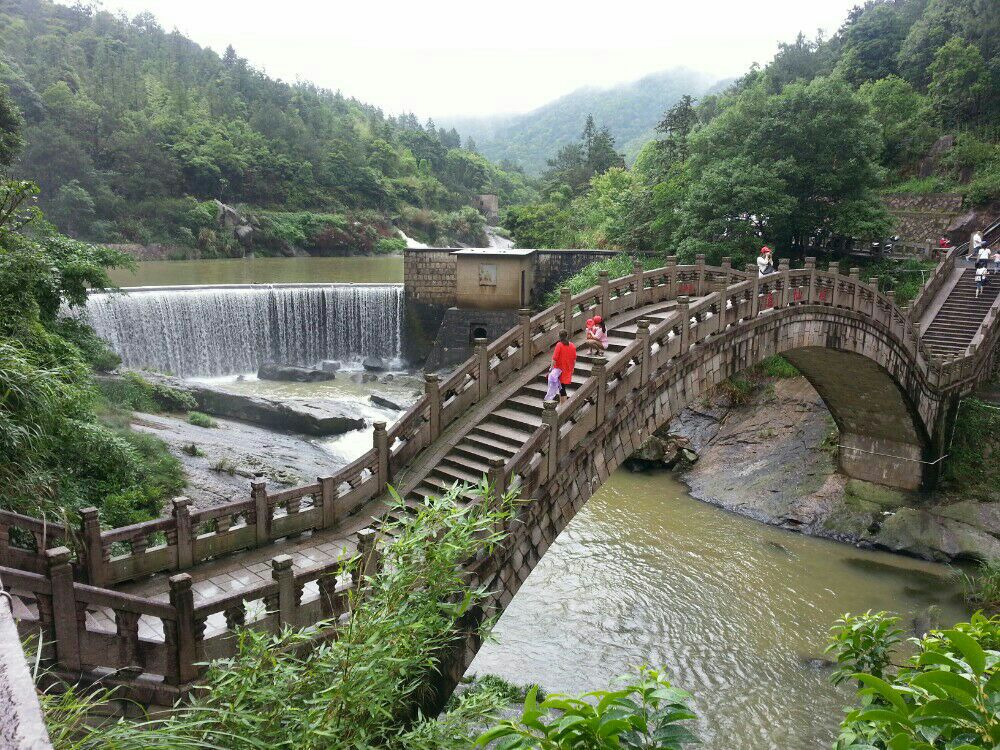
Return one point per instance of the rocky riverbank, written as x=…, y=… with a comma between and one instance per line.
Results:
x=774, y=458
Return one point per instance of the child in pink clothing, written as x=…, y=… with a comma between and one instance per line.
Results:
x=597, y=335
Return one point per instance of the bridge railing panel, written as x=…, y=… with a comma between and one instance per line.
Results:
x=23, y=540
x=410, y=435
x=459, y=391
x=935, y=283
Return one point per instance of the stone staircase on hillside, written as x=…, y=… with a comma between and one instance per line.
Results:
x=504, y=430
x=959, y=318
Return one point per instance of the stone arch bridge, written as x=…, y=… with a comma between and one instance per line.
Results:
x=142, y=606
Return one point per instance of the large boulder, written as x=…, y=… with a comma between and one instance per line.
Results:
x=293, y=373
x=935, y=537
x=374, y=364
x=386, y=403
x=318, y=418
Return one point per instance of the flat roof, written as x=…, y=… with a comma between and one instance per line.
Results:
x=493, y=251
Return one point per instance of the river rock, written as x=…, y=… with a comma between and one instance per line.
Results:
x=935, y=537
x=374, y=364
x=329, y=365
x=386, y=402
x=293, y=373
x=318, y=417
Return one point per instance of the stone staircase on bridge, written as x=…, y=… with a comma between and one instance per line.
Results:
x=502, y=432
x=960, y=315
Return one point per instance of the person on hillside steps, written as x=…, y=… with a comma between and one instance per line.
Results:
x=765, y=262
x=564, y=360
x=996, y=261
x=980, y=280
x=975, y=244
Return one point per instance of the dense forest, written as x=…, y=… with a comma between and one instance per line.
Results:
x=131, y=132
x=630, y=111
x=795, y=154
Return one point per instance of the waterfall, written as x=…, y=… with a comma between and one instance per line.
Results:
x=225, y=330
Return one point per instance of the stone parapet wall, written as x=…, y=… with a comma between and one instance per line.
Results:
x=22, y=726
x=945, y=203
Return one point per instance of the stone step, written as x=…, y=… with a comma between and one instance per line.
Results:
x=514, y=436
x=450, y=472
x=488, y=441
x=478, y=465
x=510, y=417
x=480, y=451
x=528, y=402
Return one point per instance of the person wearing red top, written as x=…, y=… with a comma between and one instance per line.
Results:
x=564, y=359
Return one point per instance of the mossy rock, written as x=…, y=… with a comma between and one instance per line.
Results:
x=871, y=498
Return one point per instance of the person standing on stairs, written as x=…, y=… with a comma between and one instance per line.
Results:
x=996, y=261
x=980, y=279
x=564, y=360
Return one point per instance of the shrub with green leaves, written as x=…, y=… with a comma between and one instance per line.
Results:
x=646, y=712
x=132, y=391
x=863, y=643
x=947, y=695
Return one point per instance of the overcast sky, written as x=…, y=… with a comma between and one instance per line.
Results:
x=444, y=57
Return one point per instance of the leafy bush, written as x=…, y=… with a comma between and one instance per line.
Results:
x=646, y=712
x=390, y=245
x=617, y=266
x=863, y=643
x=778, y=367
x=982, y=586
x=945, y=696
x=972, y=468
x=199, y=419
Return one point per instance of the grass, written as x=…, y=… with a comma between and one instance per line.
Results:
x=198, y=419
x=224, y=466
x=616, y=266
x=192, y=450
x=982, y=588
x=135, y=393
x=778, y=367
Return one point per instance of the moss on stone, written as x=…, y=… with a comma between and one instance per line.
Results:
x=869, y=497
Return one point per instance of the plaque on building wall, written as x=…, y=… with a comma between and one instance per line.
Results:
x=487, y=274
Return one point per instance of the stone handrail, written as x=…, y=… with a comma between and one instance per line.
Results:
x=934, y=283
x=43, y=534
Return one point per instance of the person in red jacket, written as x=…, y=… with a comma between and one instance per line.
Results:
x=564, y=359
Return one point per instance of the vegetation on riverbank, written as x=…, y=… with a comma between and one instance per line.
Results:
x=133, y=130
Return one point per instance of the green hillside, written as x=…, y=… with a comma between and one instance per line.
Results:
x=630, y=111
x=131, y=131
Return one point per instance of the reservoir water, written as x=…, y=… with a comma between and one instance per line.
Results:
x=373, y=270
x=733, y=610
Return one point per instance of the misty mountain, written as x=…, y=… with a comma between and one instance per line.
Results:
x=630, y=110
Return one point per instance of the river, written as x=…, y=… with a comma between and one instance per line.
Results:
x=733, y=610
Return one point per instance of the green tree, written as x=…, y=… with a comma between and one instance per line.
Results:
x=10, y=128
x=959, y=81
x=904, y=117
x=872, y=38
x=790, y=168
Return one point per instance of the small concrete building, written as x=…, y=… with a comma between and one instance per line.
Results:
x=493, y=278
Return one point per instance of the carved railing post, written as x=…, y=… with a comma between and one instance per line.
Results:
x=262, y=513
x=785, y=298
x=282, y=573
x=64, y=610
x=380, y=441
x=754, y=293
x=727, y=268
x=181, y=633
x=835, y=284
x=93, y=547
x=671, y=277
x=599, y=371
x=483, y=369
x=604, y=282
x=368, y=562
x=184, y=532
x=699, y=261
x=524, y=320
x=890, y=313
x=684, y=313
x=637, y=285
x=643, y=335
x=432, y=387
x=328, y=496
x=550, y=417
x=856, y=289
x=811, y=268
x=498, y=478
x=566, y=301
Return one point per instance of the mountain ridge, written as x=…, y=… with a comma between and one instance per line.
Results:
x=630, y=110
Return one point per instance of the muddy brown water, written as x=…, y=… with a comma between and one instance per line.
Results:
x=735, y=611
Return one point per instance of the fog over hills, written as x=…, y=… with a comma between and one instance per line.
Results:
x=630, y=110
